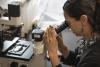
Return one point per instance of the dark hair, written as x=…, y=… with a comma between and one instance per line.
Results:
x=91, y=8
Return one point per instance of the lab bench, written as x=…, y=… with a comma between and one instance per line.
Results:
x=35, y=61
x=26, y=59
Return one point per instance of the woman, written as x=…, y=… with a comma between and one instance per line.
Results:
x=83, y=17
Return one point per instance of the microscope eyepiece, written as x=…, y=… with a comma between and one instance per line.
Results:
x=63, y=26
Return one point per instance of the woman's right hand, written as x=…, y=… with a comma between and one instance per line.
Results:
x=50, y=40
x=51, y=45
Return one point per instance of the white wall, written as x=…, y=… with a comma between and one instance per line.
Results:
x=51, y=12
x=28, y=13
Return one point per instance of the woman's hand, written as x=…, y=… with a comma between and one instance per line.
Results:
x=50, y=40
x=51, y=45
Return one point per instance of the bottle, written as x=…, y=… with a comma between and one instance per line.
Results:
x=38, y=47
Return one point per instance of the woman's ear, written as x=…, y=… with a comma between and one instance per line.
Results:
x=84, y=20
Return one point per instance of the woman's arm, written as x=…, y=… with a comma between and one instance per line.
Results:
x=68, y=57
x=63, y=49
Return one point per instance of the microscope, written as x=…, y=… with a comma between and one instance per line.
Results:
x=10, y=21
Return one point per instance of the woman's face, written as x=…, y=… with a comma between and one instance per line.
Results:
x=74, y=24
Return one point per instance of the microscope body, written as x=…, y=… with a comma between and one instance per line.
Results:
x=10, y=21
